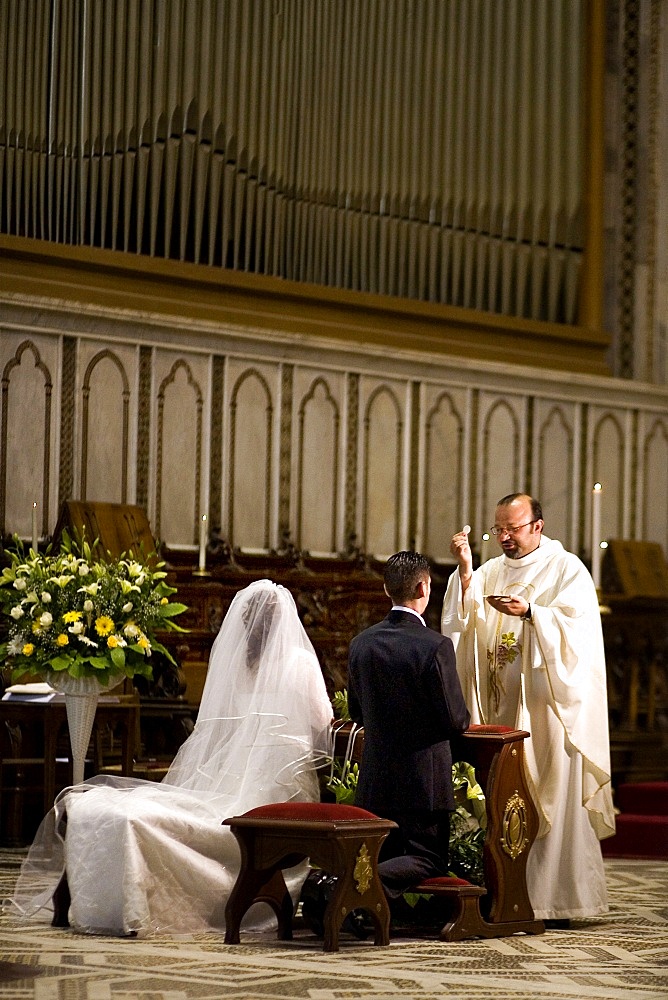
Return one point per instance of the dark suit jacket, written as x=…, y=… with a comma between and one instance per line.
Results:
x=403, y=688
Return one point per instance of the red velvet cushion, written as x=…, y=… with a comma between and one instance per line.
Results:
x=490, y=729
x=321, y=812
x=444, y=880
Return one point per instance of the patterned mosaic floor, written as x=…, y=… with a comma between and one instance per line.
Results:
x=621, y=957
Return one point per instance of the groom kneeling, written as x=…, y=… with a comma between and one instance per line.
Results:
x=403, y=688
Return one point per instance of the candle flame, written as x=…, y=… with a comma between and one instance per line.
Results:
x=597, y=487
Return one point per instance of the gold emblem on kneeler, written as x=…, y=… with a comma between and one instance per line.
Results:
x=362, y=872
x=514, y=838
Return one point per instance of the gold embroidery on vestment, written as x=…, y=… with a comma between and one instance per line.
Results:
x=506, y=650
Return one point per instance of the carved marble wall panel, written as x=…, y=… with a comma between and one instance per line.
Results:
x=29, y=366
x=610, y=450
x=106, y=402
x=556, y=466
x=502, y=451
x=253, y=407
x=181, y=390
x=652, y=483
x=327, y=448
x=382, y=455
x=446, y=427
x=318, y=448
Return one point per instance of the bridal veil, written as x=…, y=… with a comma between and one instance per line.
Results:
x=143, y=856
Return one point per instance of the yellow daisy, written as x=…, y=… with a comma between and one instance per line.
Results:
x=104, y=625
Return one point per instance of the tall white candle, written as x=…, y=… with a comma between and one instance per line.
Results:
x=484, y=548
x=202, y=543
x=34, y=526
x=596, y=495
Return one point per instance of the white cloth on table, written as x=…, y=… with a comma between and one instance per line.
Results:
x=546, y=676
x=144, y=857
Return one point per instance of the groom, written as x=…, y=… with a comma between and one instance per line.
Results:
x=403, y=688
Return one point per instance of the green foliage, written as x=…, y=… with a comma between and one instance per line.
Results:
x=343, y=782
x=468, y=793
x=68, y=612
x=467, y=825
x=340, y=705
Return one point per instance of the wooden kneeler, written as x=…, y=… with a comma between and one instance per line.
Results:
x=343, y=840
x=465, y=919
x=503, y=907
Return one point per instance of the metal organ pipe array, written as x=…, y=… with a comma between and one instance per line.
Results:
x=429, y=149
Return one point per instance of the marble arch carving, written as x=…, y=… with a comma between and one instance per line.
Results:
x=318, y=419
x=179, y=366
x=251, y=439
x=87, y=388
x=26, y=347
x=382, y=459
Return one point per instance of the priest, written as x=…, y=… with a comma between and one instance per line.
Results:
x=527, y=632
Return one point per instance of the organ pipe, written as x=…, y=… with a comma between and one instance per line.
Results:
x=431, y=149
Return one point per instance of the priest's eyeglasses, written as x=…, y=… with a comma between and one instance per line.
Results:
x=512, y=530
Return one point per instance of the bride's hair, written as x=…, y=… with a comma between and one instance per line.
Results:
x=258, y=617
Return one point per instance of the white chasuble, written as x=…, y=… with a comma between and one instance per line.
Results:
x=546, y=676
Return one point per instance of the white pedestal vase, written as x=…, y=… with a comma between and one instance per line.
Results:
x=81, y=697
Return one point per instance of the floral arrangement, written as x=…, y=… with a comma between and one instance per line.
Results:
x=71, y=613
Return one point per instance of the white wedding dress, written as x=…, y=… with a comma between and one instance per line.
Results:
x=144, y=857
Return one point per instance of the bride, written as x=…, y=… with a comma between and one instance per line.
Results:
x=144, y=857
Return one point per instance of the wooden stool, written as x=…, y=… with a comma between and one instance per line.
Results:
x=343, y=840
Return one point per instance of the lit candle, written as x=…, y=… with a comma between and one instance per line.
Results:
x=484, y=548
x=596, y=534
x=202, y=543
x=34, y=526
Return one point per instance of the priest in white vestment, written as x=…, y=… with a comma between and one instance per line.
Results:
x=527, y=633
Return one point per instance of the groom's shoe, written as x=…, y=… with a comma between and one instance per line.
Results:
x=314, y=897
